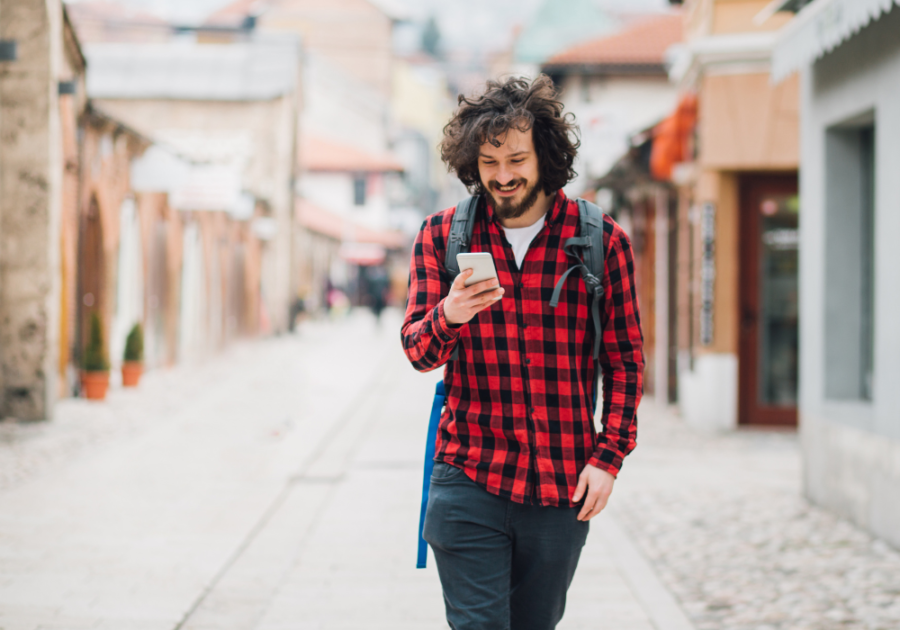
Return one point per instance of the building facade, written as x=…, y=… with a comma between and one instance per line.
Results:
x=231, y=111
x=848, y=54
x=737, y=222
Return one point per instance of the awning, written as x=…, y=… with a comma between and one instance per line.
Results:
x=819, y=28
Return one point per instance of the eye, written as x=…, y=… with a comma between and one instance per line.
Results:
x=518, y=161
x=488, y=162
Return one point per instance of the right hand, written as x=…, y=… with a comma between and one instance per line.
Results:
x=463, y=303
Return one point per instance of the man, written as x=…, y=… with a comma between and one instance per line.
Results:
x=520, y=469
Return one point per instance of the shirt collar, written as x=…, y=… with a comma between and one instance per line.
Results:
x=557, y=210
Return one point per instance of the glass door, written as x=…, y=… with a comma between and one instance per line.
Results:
x=768, y=344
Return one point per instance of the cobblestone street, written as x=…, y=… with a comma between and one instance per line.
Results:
x=277, y=487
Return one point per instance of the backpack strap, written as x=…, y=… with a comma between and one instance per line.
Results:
x=591, y=264
x=461, y=227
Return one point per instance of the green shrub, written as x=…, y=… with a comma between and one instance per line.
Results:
x=134, y=344
x=95, y=359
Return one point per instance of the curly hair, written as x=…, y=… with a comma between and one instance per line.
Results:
x=513, y=103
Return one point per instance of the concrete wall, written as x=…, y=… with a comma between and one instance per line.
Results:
x=31, y=171
x=852, y=445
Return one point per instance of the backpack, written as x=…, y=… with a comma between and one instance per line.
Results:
x=589, y=243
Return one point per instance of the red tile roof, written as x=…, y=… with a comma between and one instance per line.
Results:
x=644, y=42
x=322, y=154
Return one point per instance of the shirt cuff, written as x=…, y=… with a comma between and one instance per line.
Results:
x=606, y=460
x=445, y=331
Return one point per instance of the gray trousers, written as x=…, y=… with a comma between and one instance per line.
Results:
x=503, y=565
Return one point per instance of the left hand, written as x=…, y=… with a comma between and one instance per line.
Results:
x=599, y=485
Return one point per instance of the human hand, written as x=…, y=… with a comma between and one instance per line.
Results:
x=463, y=303
x=599, y=485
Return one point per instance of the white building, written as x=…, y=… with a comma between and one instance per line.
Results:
x=848, y=52
x=616, y=85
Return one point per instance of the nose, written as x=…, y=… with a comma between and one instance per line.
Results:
x=504, y=175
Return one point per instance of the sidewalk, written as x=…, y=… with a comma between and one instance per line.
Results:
x=276, y=487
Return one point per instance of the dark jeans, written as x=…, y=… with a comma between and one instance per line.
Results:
x=503, y=565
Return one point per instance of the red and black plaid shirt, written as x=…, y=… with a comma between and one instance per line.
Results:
x=520, y=416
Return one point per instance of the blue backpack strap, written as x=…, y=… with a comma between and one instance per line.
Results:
x=440, y=396
x=461, y=228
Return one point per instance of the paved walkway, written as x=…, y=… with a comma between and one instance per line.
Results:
x=275, y=487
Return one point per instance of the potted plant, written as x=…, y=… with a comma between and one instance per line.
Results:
x=133, y=360
x=95, y=366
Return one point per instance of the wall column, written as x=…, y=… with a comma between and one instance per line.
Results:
x=30, y=197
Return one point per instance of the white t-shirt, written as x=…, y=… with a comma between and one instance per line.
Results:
x=520, y=239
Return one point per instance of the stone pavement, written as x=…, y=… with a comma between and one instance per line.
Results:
x=724, y=524
x=277, y=487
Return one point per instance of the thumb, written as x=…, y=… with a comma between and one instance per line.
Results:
x=580, y=488
x=460, y=282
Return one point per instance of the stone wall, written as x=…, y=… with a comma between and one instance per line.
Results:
x=30, y=196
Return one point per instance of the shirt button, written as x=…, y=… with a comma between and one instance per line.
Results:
x=527, y=361
x=521, y=286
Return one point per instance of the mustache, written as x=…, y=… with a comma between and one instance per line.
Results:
x=495, y=185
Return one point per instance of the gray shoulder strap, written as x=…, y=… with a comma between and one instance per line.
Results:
x=460, y=234
x=590, y=218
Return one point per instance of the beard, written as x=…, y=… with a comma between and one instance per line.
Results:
x=505, y=208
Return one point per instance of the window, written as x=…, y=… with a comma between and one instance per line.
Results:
x=359, y=190
x=850, y=167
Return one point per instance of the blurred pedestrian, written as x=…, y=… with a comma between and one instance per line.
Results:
x=519, y=467
x=377, y=284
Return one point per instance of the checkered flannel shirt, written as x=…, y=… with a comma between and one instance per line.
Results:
x=519, y=418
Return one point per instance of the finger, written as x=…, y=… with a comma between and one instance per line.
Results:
x=460, y=282
x=484, y=285
x=483, y=299
x=489, y=297
x=590, y=504
x=580, y=488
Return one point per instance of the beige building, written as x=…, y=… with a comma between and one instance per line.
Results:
x=737, y=221
x=230, y=110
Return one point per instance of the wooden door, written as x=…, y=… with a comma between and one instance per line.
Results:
x=768, y=344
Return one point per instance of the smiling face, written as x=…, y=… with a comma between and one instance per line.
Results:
x=509, y=173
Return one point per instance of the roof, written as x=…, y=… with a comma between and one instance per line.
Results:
x=248, y=71
x=558, y=24
x=334, y=226
x=642, y=43
x=323, y=154
x=820, y=27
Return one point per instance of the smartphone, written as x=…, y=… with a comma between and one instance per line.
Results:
x=481, y=262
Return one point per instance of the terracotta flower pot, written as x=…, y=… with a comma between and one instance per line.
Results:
x=131, y=373
x=95, y=384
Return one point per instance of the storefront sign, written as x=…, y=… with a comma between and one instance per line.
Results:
x=707, y=272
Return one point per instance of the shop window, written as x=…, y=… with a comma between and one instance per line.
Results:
x=850, y=261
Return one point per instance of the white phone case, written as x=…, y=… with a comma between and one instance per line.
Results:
x=481, y=262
